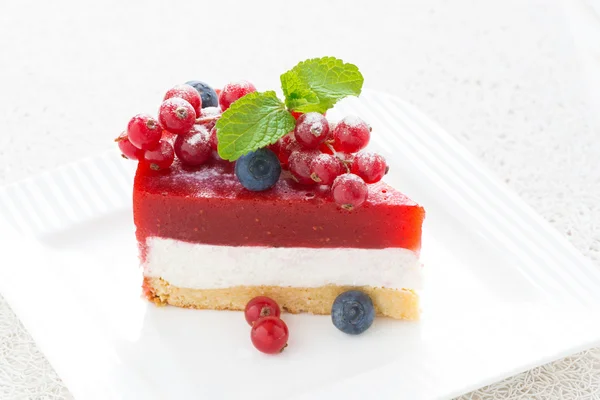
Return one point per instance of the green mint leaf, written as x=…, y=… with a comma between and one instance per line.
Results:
x=254, y=121
x=317, y=84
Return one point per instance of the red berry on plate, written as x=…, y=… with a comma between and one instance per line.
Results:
x=188, y=93
x=324, y=168
x=259, y=307
x=299, y=165
x=296, y=114
x=351, y=135
x=214, y=142
x=193, y=148
x=144, y=132
x=349, y=191
x=127, y=149
x=161, y=157
x=369, y=166
x=311, y=130
x=234, y=91
x=269, y=335
x=177, y=115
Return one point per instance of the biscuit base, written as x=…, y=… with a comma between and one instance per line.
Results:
x=393, y=303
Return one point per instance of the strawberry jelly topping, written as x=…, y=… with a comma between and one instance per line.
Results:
x=209, y=205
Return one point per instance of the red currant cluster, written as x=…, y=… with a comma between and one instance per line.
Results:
x=269, y=333
x=319, y=152
x=183, y=129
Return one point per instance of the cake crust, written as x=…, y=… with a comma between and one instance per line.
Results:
x=393, y=303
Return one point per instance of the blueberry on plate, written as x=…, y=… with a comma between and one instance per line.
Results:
x=258, y=170
x=208, y=94
x=353, y=312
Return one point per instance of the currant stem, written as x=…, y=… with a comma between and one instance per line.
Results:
x=203, y=120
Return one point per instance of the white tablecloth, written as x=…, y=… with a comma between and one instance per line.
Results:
x=512, y=80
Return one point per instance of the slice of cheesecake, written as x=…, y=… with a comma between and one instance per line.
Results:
x=207, y=242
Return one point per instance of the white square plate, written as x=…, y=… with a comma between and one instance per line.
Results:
x=504, y=292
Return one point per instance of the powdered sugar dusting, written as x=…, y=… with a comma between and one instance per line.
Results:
x=353, y=121
x=201, y=135
x=314, y=119
x=210, y=112
x=368, y=156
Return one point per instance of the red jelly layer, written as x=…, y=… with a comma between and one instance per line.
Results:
x=209, y=205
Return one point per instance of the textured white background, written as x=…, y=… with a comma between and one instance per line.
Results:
x=507, y=78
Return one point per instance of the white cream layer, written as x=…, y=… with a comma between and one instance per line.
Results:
x=201, y=266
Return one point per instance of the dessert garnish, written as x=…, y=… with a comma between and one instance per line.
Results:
x=261, y=306
x=263, y=134
x=268, y=333
x=353, y=312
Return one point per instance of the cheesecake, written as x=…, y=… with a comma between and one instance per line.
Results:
x=239, y=194
x=206, y=242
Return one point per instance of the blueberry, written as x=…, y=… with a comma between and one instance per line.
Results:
x=258, y=170
x=208, y=94
x=353, y=312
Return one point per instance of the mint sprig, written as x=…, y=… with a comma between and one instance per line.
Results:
x=317, y=84
x=254, y=121
x=259, y=119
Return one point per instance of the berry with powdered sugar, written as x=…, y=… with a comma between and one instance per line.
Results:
x=233, y=92
x=349, y=191
x=177, y=115
x=187, y=93
x=324, y=168
x=351, y=134
x=311, y=130
x=369, y=166
x=299, y=165
x=193, y=148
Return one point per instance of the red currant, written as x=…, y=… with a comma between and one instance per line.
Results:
x=188, y=93
x=177, y=115
x=351, y=135
x=161, y=157
x=209, y=117
x=193, y=148
x=369, y=166
x=311, y=130
x=143, y=131
x=299, y=165
x=349, y=191
x=327, y=145
x=296, y=114
x=259, y=307
x=287, y=145
x=324, y=168
x=275, y=147
x=269, y=335
x=234, y=91
x=128, y=150
x=214, y=142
